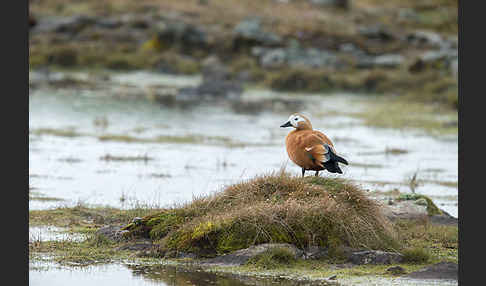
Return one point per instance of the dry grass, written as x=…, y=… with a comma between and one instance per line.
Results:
x=422, y=239
x=275, y=208
x=109, y=157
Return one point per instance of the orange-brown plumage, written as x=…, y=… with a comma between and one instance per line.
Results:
x=310, y=149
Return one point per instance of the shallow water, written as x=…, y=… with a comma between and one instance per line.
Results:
x=48, y=273
x=213, y=147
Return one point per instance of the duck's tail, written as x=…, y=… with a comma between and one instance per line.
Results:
x=332, y=164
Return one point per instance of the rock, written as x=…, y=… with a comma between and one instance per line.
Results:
x=213, y=70
x=137, y=220
x=249, y=32
x=112, y=232
x=69, y=25
x=207, y=90
x=445, y=54
x=336, y=3
x=434, y=59
x=108, y=23
x=188, y=36
x=311, y=58
x=294, y=57
x=425, y=38
x=315, y=253
x=137, y=246
x=443, y=219
x=179, y=254
x=241, y=256
x=217, y=83
x=396, y=270
x=377, y=32
x=408, y=209
x=375, y=257
x=441, y=270
x=274, y=58
x=421, y=202
x=247, y=106
x=408, y=14
x=388, y=61
x=384, y=61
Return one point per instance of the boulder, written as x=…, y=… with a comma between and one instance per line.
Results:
x=336, y=3
x=442, y=59
x=432, y=39
x=441, y=270
x=187, y=36
x=383, y=61
x=294, y=57
x=217, y=83
x=377, y=32
x=274, y=58
x=112, y=232
x=241, y=256
x=315, y=253
x=250, y=32
x=68, y=25
x=375, y=257
x=143, y=244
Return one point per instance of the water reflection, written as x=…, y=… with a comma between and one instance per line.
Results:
x=45, y=273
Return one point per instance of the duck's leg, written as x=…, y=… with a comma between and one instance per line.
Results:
x=317, y=173
x=303, y=172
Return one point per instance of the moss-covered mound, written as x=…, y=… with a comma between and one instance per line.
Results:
x=276, y=208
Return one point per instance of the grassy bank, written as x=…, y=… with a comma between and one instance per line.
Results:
x=136, y=42
x=274, y=208
x=329, y=213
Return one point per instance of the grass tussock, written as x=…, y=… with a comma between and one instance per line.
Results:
x=273, y=258
x=415, y=255
x=275, y=208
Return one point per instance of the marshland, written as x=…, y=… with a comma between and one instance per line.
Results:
x=156, y=156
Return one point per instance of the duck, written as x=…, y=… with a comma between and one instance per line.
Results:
x=311, y=149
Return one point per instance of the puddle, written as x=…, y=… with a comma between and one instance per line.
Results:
x=47, y=273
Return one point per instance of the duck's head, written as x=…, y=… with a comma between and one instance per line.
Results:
x=298, y=121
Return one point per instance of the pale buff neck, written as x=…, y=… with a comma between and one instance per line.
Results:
x=304, y=126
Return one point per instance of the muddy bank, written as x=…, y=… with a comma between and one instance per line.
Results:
x=331, y=48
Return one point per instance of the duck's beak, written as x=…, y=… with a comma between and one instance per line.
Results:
x=286, y=124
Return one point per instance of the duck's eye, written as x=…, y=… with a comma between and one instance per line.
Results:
x=296, y=119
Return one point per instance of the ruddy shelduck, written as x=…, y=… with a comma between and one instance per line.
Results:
x=310, y=149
